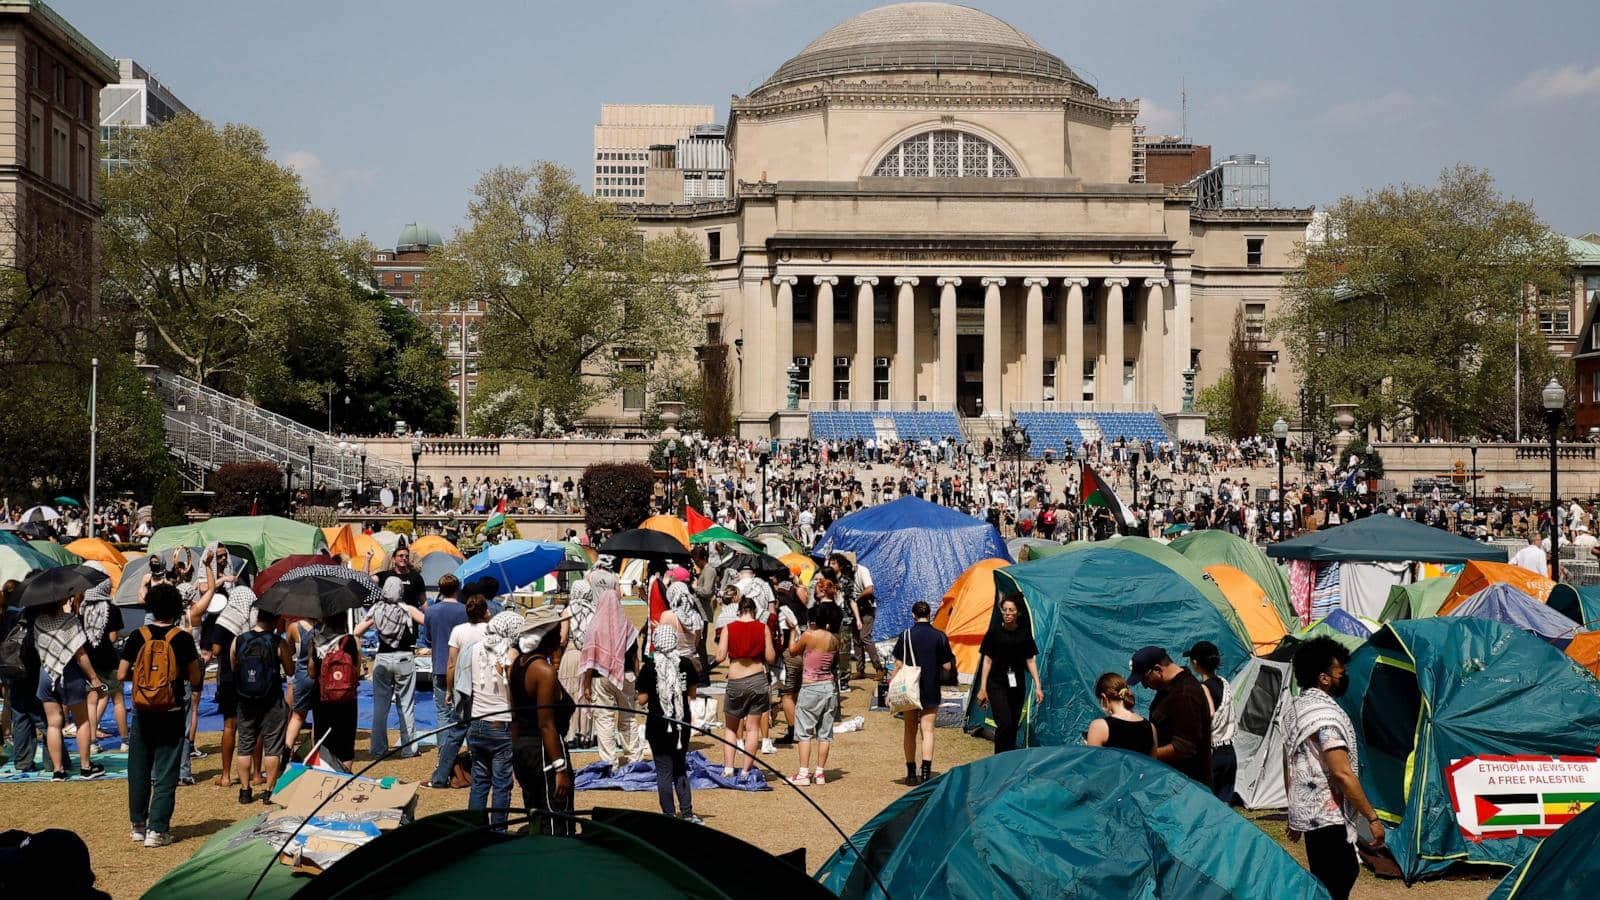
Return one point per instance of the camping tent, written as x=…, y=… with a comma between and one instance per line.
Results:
x=1435, y=703
x=1260, y=695
x=17, y=560
x=1064, y=822
x=1477, y=575
x=1211, y=547
x=1418, y=600
x=1339, y=625
x=914, y=550
x=966, y=610
x=341, y=541
x=61, y=555
x=1089, y=611
x=1258, y=614
x=1563, y=867
x=1504, y=603
x=1585, y=649
x=1384, y=538
x=227, y=865
x=98, y=550
x=433, y=543
x=262, y=540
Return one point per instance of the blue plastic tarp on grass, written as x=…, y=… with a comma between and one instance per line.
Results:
x=641, y=776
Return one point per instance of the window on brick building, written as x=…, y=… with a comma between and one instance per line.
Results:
x=1252, y=251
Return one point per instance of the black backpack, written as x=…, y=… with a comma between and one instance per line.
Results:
x=255, y=673
x=13, y=652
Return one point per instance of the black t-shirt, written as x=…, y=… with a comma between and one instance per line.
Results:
x=221, y=637
x=183, y=647
x=1183, y=719
x=416, y=591
x=1008, y=651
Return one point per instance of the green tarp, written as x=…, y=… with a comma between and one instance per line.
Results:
x=61, y=555
x=1426, y=694
x=17, y=560
x=1564, y=867
x=262, y=539
x=219, y=869
x=1211, y=547
x=1065, y=822
x=1089, y=611
x=1384, y=538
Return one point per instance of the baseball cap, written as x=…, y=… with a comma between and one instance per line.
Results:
x=1145, y=659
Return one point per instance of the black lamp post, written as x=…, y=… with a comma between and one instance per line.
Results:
x=1280, y=434
x=363, y=474
x=416, y=454
x=1473, y=446
x=761, y=511
x=1555, y=401
x=672, y=463
x=311, y=467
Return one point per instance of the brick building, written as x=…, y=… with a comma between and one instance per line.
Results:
x=400, y=273
x=1174, y=160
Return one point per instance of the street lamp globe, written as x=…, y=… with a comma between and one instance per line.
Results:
x=1280, y=429
x=1555, y=397
x=416, y=449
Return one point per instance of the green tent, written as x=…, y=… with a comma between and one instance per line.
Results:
x=1564, y=867
x=1089, y=611
x=618, y=853
x=1383, y=538
x=16, y=561
x=1064, y=822
x=221, y=869
x=1211, y=547
x=1581, y=604
x=1432, y=696
x=54, y=551
x=1189, y=570
x=718, y=533
x=262, y=540
x=1419, y=600
x=11, y=537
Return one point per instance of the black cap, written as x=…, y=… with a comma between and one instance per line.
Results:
x=1143, y=661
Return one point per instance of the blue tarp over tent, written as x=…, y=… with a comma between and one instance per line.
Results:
x=1504, y=603
x=914, y=550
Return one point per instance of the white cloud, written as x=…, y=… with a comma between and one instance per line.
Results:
x=1158, y=119
x=1268, y=92
x=325, y=184
x=1566, y=82
x=1390, y=107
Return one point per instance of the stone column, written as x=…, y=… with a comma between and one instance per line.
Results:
x=785, y=330
x=861, y=370
x=993, y=402
x=1181, y=326
x=945, y=392
x=1033, y=341
x=1109, y=383
x=1069, y=384
x=904, y=386
x=1152, y=352
x=822, y=365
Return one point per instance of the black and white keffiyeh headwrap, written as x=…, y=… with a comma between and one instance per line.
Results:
x=239, y=615
x=97, y=610
x=58, y=637
x=669, y=677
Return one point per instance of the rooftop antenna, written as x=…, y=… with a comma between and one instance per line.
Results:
x=1183, y=107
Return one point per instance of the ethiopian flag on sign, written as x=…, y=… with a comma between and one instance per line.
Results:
x=1096, y=492
x=1559, y=809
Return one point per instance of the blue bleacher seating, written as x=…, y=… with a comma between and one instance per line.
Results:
x=1058, y=431
x=840, y=425
x=927, y=425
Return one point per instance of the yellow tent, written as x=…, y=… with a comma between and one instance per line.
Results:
x=966, y=611
x=800, y=566
x=669, y=525
x=432, y=543
x=341, y=541
x=1477, y=575
x=1255, y=610
x=103, y=553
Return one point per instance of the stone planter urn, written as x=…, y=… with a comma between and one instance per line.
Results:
x=671, y=412
x=1344, y=418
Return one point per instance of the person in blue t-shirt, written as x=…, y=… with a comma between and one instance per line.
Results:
x=443, y=616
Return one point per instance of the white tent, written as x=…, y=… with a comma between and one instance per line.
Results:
x=1261, y=695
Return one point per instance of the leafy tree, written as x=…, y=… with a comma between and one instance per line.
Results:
x=570, y=289
x=716, y=393
x=1245, y=387
x=1410, y=305
x=239, y=487
x=1216, y=401
x=234, y=277
x=616, y=496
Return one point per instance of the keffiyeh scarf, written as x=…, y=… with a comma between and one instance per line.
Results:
x=669, y=677
x=605, y=649
x=58, y=637
x=239, y=615
x=499, y=637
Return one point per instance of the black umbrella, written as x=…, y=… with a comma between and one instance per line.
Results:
x=52, y=586
x=764, y=566
x=312, y=597
x=35, y=530
x=90, y=574
x=571, y=565
x=642, y=543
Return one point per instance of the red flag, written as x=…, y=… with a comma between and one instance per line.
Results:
x=501, y=506
x=697, y=522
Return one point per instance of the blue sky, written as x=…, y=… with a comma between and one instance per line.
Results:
x=391, y=110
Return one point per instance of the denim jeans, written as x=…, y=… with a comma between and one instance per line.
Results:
x=394, y=679
x=449, y=740
x=186, y=765
x=27, y=720
x=490, y=743
x=155, y=745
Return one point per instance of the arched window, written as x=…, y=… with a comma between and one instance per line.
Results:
x=945, y=154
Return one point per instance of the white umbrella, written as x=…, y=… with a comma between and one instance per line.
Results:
x=40, y=514
x=386, y=539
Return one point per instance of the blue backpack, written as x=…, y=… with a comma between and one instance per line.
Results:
x=255, y=672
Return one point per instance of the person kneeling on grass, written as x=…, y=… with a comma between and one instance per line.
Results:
x=162, y=664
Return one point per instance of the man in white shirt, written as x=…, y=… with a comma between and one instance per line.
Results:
x=1532, y=557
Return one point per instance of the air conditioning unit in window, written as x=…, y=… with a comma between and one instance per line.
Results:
x=880, y=360
x=841, y=361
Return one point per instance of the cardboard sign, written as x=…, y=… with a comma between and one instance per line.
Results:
x=1509, y=796
x=307, y=787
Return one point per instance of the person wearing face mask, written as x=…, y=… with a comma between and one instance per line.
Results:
x=1180, y=711
x=1321, y=771
x=1008, y=658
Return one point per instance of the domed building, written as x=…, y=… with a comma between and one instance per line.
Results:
x=399, y=273
x=933, y=211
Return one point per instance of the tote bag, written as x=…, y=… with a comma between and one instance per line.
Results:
x=905, y=688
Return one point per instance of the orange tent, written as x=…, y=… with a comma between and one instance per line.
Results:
x=800, y=566
x=669, y=525
x=1585, y=648
x=103, y=553
x=366, y=543
x=1477, y=575
x=1255, y=610
x=341, y=541
x=966, y=611
x=432, y=543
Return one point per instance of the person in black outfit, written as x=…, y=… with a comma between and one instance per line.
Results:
x=665, y=697
x=1120, y=727
x=1180, y=712
x=1008, y=656
x=926, y=647
x=541, y=711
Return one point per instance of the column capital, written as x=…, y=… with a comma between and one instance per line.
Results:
x=789, y=280
x=825, y=279
x=993, y=281
x=949, y=280
x=1117, y=282
x=1035, y=281
x=1156, y=282
x=906, y=279
x=868, y=280
x=1075, y=282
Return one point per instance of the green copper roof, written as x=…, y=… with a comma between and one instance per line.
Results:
x=73, y=35
x=1584, y=252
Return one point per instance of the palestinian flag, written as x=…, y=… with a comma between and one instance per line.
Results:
x=1559, y=809
x=496, y=520
x=697, y=522
x=1509, y=810
x=1094, y=491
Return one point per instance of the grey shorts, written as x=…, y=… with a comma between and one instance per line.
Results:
x=813, y=712
x=747, y=696
x=264, y=721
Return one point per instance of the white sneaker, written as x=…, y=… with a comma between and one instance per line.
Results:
x=158, y=839
x=767, y=749
x=69, y=730
x=137, y=834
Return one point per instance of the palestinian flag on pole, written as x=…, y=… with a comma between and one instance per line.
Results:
x=1094, y=491
x=496, y=520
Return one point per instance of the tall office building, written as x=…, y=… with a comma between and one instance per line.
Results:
x=623, y=139
x=137, y=100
